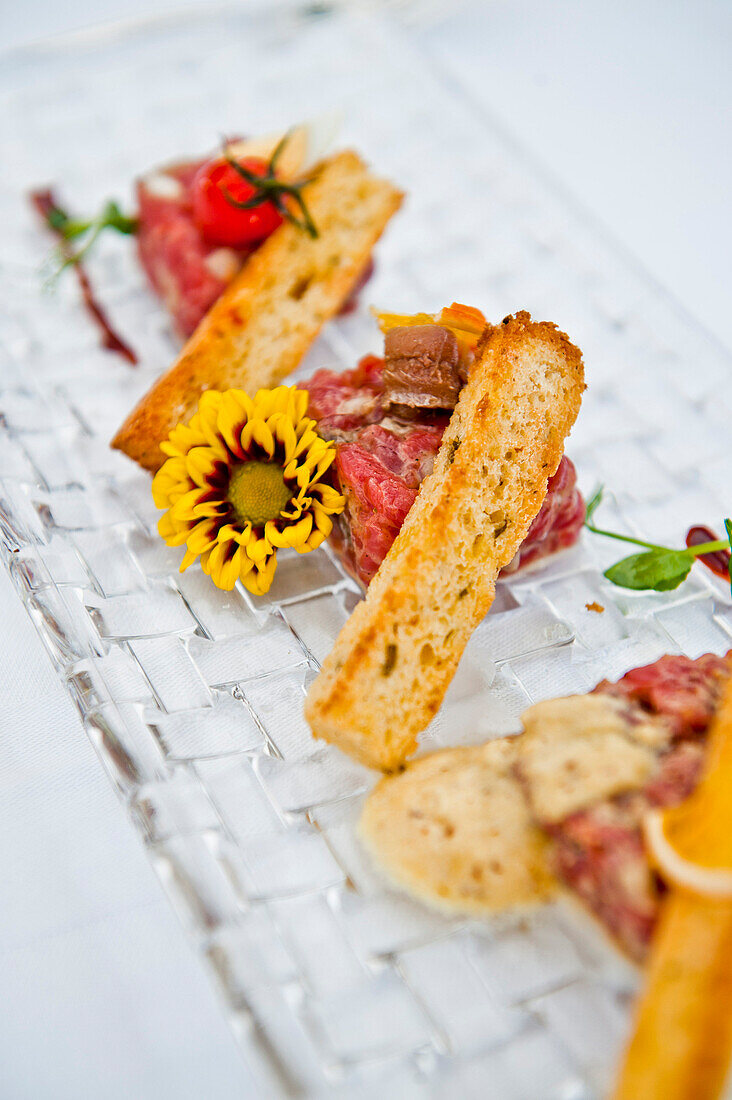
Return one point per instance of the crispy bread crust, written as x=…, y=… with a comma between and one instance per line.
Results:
x=395, y=657
x=267, y=318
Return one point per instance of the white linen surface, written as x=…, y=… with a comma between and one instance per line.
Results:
x=100, y=994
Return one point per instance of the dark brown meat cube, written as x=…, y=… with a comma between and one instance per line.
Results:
x=421, y=367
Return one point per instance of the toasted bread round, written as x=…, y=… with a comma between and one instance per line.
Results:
x=455, y=829
x=582, y=749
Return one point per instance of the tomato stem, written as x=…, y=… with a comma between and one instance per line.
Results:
x=268, y=188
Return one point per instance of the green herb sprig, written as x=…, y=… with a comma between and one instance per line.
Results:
x=658, y=568
x=268, y=188
x=72, y=229
x=68, y=229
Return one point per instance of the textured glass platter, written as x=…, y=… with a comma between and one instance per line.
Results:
x=334, y=985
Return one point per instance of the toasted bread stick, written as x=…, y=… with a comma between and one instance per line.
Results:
x=682, y=1044
x=395, y=657
x=683, y=1032
x=267, y=318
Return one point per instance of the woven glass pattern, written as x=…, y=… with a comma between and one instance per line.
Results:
x=334, y=984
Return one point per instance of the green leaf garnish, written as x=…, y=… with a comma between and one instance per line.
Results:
x=654, y=570
x=71, y=229
x=660, y=568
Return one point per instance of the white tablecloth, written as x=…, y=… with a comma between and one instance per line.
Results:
x=101, y=994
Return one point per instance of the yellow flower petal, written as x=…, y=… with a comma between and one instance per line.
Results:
x=209, y=404
x=228, y=574
x=243, y=400
x=272, y=401
x=216, y=560
x=258, y=549
x=231, y=420
x=262, y=435
x=204, y=562
x=314, y=541
x=241, y=535
x=330, y=499
x=208, y=412
x=295, y=508
x=202, y=537
x=301, y=400
x=168, y=479
x=160, y=492
x=307, y=437
x=216, y=507
x=298, y=533
x=258, y=581
x=274, y=535
x=182, y=510
x=322, y=518
x=188, y=559
x=173, y=533
x=282, y=428
x=183, y=437
x=303, y=476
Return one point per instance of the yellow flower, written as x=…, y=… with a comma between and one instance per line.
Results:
x=243, y=479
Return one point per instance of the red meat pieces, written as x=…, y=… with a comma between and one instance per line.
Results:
x=382, y=458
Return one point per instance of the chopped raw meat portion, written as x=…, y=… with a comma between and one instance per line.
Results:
x=380, y=474
x=342, y=403
x=558, y=523
x=382, y=457
x=188, y=273
x=685, y=692
x=599, y=852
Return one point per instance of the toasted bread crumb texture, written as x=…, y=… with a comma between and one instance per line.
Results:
x=395, y=657
x=455, y=829
x=266, y=319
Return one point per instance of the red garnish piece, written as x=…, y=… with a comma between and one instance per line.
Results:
x=44, y=203
x=240, y=202
x=220, y=204
x=718, y=561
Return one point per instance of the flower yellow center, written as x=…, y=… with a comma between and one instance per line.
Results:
x=257, y=492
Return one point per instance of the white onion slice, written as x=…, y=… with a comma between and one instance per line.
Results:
x=162, y=186
x=309, y=142
x=713, y=882
x=223, y=263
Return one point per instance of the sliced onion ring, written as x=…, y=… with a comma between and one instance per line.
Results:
x=308, y=144
x=712, y=882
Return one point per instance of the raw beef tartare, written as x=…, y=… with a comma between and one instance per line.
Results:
x=387, y=418
x=599, y=851
x=199, y=220
x=187, y=272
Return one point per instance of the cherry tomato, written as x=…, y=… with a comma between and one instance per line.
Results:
x=218, y=219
